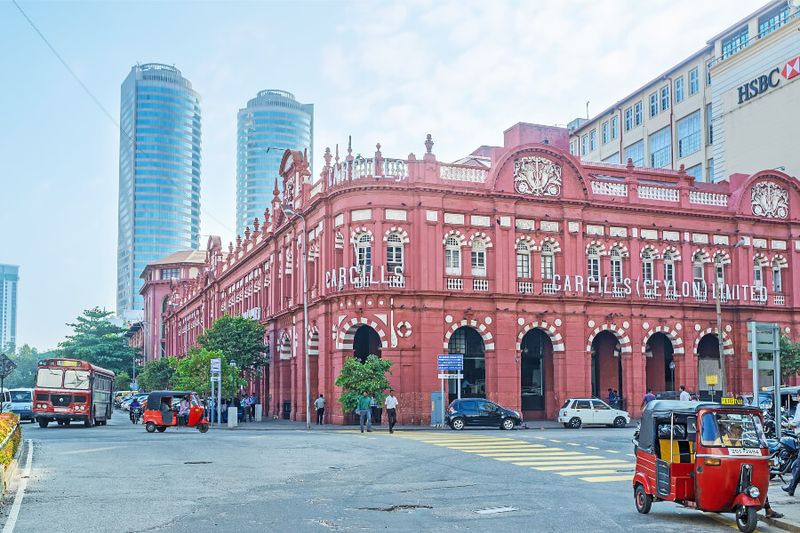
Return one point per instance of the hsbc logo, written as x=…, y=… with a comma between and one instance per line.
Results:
x=791, y=68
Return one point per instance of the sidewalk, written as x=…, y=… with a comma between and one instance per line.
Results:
x=286, y=425
x=783, y=503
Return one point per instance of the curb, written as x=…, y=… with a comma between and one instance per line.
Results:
x=11, y=470
x=780, y=523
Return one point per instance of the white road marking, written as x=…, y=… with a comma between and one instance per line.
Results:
x=90, y=450
x=11, y=522
x=573, y=444
x=612, y=451
x=593, y=447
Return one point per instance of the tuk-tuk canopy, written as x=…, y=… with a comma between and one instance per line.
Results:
x=155, y=397
x=664, y=409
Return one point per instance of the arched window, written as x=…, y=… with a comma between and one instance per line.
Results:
x=647, y=266
x=698, y=271
x=394, y=253
x=478, y=257
x=452, y=256
x=548, y=261
x=777, y=281
x=758, y=270
x=593, y=263
x=616, y=264
x=364, y=251
x=669, y=268
x=523, y=260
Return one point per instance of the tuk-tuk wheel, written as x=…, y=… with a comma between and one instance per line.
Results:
x=150, y=427
x=746, y=519
x=161, y=429
x=202, y=428
x=642, y=500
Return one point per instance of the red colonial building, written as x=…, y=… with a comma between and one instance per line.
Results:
x=555, y=278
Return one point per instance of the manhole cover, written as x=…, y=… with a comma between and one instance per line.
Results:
x=496, y=510
x=395, y=508
x=197, y=462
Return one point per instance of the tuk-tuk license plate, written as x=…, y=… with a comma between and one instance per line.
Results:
x=744, y=451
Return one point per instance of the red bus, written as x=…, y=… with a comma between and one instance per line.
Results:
x=71, y=389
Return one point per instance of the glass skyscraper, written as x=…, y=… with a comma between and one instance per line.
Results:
x=272, y=122
x=9, y=277
x=159, y=174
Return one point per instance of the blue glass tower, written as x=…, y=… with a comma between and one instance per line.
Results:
x=272, y=122
x=9, y=278
x=159, y=174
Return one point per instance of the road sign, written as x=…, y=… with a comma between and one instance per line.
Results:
x=450, y=361
x=762, y=365
x=451, y=376
x=765, y=337
x=134, y=386
x=6, y=366
x=215, y=377
x=712, y=379
x=216, y=365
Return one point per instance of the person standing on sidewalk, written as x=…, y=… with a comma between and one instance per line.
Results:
x=685, y=396
x=391, y=409
x=364, y=412
x=319, y=405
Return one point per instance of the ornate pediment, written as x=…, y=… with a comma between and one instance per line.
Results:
x=537, y=176
x=769, y=200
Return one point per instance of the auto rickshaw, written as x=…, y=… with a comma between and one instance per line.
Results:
x=706, y=456
x=161, y=411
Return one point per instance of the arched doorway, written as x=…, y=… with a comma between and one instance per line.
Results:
x=366, y=342
x=469, y=342
x=708, y=365
x=536, y=372
x=606, y=366
x=660, y=363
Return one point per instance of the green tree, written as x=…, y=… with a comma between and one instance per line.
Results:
x=122, y=380
x=97, y=340
x=194, y=373
x=27, y=359
x=157, y=374
x=240, y=339
x=357, y=377
x=790, y=357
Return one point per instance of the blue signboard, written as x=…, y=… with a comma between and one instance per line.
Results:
x=450, y=361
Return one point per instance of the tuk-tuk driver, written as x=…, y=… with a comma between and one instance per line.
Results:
x=731, y=434
x=183, y=411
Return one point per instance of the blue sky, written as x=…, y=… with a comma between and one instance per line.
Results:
x=382, y=72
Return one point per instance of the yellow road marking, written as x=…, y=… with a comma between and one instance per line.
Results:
x=508, y=449
x=605, y=479
x=535, y=456
x=551, y=467
x=587, y=472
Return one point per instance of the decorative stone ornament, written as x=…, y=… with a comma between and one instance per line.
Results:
x=537, y=176
x=769, y=200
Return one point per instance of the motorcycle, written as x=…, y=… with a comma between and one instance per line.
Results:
x=136, y=415
x=783, y=454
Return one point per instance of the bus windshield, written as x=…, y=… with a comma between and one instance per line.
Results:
x=729, y=430
x=76, y=379
x=49, y=377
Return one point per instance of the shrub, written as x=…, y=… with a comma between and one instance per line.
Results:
x=9, y=422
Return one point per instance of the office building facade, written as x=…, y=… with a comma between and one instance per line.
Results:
x=272, y=122
x=690, y=116
x=9, y=278
x=159, y=175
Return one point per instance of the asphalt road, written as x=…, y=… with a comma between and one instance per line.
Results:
x=120, y=478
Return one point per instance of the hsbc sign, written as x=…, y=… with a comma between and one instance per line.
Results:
x=768, y=81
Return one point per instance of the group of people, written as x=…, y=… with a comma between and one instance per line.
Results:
x=245, y=407
x=364, y=410
x=684, y=396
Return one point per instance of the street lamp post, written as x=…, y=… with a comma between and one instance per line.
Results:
x=719, y=286
x=288, y=211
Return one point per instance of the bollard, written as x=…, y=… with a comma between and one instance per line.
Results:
x=258, y=412
x=233, y=417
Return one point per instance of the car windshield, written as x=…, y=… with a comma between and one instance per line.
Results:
x=732, y=430
x=49, y=377
x=20, y=396
x=76, y=379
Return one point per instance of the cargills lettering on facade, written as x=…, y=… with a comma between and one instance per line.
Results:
x=552, y=277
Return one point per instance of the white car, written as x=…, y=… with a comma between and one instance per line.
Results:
x=577, y=412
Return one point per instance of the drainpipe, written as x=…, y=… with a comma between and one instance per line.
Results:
x=621, y=128
x=671, y=126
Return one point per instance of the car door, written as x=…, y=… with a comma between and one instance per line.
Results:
x=602, y=413
x=492, y=413
x=469, y=409
x=583, y=410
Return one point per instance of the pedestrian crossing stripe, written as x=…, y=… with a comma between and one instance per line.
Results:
x=539, y=456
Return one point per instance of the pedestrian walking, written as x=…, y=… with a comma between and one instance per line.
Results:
x=319, y=405
x=391, y=409
x=685, y=396
x=364, y=412
x=612, y=398
x=649, y=397
x=253, y=402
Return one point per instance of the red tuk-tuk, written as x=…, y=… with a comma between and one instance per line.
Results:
x=702, y=455
x=163, y=410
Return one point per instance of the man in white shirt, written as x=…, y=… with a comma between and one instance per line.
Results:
x=685, y=396
x=391, y=409
x=319, y=405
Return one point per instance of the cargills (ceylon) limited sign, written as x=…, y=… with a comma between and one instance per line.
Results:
x=363, y=276
x=654, y=289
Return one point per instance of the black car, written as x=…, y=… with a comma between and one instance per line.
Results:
x=480, y=412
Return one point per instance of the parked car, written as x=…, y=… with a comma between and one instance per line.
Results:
x=480, y=412
x=577, y=412
x=22, y=403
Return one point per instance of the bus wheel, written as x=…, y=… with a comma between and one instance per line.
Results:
x=88, y=421
x=161, y=429
x=43, y=422
x=150, y=427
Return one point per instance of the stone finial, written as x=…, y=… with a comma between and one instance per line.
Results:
x=337, y=154
x=276, y=191
x=255, y=225
x=349, y=148
x=238, y=242
x=682, y=169
x=266, y=216
x=247, y=233
x=230, y=248
x=327, y=157
x=428, y=143
x=630, y=164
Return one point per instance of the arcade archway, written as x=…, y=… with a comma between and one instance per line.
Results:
x=606, y=365
x=467, y=341
x=660, y=363
x=708, y=367
x=366, y=341
x=536, y=371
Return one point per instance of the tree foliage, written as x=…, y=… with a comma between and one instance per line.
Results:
x=357, y=377
x=194, y=373
x=122, y=380
x=27, y=359
x=157, y=374
x=790, y=357
x=99, y=341
x=239, y=339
